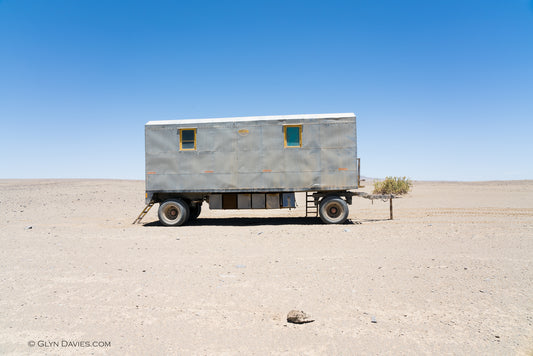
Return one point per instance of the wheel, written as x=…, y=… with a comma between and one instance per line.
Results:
x=333, y=210
x=173, y=212
x=195, y=211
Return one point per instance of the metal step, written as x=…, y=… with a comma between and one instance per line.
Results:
x=144, y=212
x=311, y=210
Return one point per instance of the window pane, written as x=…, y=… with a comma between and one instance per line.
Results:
x=187, y=135
x=187, y=145
x=293, y=136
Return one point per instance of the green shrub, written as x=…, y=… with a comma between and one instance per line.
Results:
x=393, y=185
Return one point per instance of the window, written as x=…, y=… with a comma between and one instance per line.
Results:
x=293, y=135
x=187, y=139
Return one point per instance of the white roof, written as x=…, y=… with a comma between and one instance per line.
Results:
x=254, y=118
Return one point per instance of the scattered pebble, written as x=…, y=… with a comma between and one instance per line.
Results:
x=373, y=319
x=346, y=230
x=240, y=266
x=28, y=227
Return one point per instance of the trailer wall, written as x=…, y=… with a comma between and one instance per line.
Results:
x=251, y=155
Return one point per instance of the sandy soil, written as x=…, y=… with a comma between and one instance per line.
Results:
x=452, y=274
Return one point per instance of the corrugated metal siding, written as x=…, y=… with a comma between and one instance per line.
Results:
x=250, y=156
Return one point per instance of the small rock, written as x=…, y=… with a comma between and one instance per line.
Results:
x=373, y=319
x=299, y=317
x=28, y=227
x=240, y=266
x=259, y=233
x=346, y=230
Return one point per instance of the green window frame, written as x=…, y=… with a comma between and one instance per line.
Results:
x=187, y=139
x=292, y=135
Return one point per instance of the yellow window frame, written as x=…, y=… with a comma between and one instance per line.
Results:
x=285, y=135
x=188, y=141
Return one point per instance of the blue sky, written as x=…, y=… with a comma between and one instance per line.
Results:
x=443, y=90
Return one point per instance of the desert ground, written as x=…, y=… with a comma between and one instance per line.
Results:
x=451, y=274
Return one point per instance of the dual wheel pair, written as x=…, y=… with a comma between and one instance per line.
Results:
x=176, y=212
x=333, y=210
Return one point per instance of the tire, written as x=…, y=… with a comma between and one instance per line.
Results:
x=333, y=210
x=173, y=212
x=195, y=211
